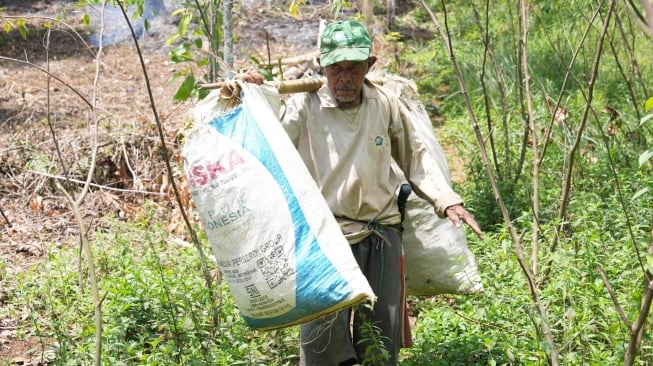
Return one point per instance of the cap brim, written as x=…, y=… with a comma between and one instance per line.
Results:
x=344, y=54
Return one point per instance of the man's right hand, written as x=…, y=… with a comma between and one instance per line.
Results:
x=253, y=76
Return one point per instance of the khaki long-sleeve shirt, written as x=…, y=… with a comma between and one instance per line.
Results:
x=350, y=154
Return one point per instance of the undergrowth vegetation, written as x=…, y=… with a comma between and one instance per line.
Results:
x=570, y=155
x=571, y=158
x=156, y=305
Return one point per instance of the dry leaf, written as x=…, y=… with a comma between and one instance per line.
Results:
x=33, y=249
x=19, y=360
x=36, y=203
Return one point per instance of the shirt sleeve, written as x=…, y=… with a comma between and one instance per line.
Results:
x=415, y=149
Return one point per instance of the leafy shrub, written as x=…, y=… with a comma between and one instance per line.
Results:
x=156, y=308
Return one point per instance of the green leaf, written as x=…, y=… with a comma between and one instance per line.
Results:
x=181, y=53
x=646, y=119
x=648, y=106
x=640, y=193
x=86, y=20
x=182, y=28
x=649, y=262
x=185, y=89
x=267, y=74
x=203, y=93
x=140, y=9
x=179, y=11
x=22, y=29
x=294, y=7
x=172, y=39
x=645, y=157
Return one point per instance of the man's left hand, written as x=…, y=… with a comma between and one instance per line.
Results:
x=457, y=214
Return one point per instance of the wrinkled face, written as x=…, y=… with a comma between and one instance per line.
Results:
x=345, y=80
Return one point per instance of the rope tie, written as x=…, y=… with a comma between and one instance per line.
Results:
x=379, y=231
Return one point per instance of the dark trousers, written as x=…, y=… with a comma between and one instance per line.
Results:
x=333, y=339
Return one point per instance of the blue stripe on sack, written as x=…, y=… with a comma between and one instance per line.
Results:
x=319, y=284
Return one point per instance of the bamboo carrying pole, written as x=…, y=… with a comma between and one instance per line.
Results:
x=283, y=87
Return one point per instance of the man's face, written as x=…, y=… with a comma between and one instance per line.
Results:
x=345, y=80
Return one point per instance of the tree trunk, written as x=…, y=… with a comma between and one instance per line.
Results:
x=227, y=16
x=367, y=9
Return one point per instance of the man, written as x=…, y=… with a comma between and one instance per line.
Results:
x=348, y=133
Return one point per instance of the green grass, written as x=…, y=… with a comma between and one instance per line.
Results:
x=156, y=307
x=158, y=311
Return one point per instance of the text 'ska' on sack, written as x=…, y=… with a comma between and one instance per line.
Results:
x=275, y=240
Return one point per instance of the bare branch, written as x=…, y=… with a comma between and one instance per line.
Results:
x=76, y=203
x=535, y=198
x=615, y=301
x=497, y=194
x=571, y=156
x=165, y=156
x=108, y=188
x=644, y=22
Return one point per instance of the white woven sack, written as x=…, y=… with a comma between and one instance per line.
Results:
x=275, y=240
x=436, y=255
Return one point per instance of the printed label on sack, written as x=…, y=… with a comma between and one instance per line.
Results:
x=258, y=268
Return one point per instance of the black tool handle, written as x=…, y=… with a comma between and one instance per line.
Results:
x=5, y=217
x=404, y=192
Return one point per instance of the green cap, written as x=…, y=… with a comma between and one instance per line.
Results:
x=344, y=41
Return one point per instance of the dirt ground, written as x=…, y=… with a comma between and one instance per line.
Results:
x=46, y=121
